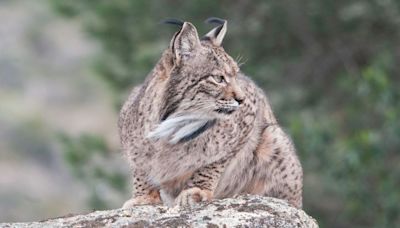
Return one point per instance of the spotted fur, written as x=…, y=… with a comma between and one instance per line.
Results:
x=199, y=129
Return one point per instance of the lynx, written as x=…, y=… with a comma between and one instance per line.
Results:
x=199, y=129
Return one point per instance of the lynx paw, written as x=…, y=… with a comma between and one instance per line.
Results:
x=191, y=196
x=152, y=198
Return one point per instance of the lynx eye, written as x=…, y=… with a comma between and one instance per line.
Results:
x=219, y=79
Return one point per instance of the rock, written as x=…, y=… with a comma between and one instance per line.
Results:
x=243, y=211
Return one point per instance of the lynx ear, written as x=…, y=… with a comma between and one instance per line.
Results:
x=216, y=35
x=185, y=42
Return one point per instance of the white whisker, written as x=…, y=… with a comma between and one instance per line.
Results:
x=240, y=60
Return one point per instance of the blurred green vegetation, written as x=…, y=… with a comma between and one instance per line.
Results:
x=87, y=156
x=330, y=68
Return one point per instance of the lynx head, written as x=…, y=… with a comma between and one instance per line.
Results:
x=202, y=85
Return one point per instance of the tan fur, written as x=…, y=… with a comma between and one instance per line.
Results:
x=185, y=135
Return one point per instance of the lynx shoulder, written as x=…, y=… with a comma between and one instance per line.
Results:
x=199, y=129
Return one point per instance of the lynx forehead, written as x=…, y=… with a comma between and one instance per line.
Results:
x=199, y=129
x=221, y=59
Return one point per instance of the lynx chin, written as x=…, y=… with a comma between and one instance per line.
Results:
x=199, y=129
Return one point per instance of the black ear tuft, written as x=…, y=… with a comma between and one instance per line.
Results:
x=215, y=20
x=217, y=34
x=172, y=21
x=216, y=31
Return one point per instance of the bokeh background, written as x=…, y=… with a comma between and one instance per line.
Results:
x=331, y=70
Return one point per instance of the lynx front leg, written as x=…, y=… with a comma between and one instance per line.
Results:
x=143, y=192
x=201, y=185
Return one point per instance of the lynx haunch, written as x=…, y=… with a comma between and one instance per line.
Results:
x=199, y=129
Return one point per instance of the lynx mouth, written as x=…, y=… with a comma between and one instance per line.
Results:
x=228, y=107
x=224, y=110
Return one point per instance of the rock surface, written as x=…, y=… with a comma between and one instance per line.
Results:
x=243, y=211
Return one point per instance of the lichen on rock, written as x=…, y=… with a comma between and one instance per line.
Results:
x=243, y=211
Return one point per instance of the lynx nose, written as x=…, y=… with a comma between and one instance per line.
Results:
x=239, y=99
x=238, y=94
